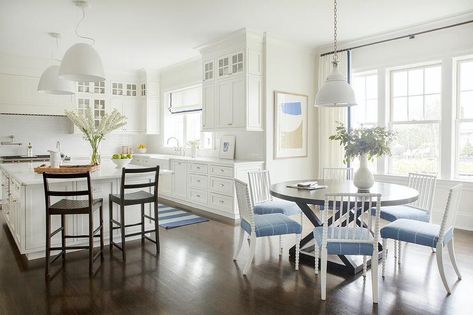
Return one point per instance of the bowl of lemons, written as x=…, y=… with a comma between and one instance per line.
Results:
x=121, y=160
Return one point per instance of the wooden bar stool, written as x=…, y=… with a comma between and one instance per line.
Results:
x=135, y=198
x=65, y=207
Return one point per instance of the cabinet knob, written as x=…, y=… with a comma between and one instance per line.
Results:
x=222, y=185
x=198, y=196
x=230, y=124
x=198, y=180
x=221, y=201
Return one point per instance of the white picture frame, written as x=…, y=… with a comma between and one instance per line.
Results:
x=290, y=125
x=227, y=148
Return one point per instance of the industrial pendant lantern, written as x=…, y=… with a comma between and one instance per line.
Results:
x=81, y=61
x=50, y=82
x=335, y=92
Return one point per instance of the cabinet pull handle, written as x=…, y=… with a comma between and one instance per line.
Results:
x=222, y=185
x=229, y=124
x=198, y=180
x=221, y=201
x=198, y=196
x=222, y=170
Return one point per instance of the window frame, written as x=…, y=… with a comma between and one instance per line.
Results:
x=378, y=103
x=456, y=112
x=389, y=106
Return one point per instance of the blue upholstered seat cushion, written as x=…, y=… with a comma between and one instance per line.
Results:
x=272, y=224
x=277, y=206
x=416, y=232
x=351, y=241
x=394, y=213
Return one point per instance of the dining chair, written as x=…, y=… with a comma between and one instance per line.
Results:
x=265, y=225
x=72, y=206
x=264, y=203
x=337, y=173
x=140, y=198
x=419, y=210
x=348, y=233
x=429, y=234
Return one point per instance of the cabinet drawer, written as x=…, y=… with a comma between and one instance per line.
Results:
x=198, y=168
x=225, y=171
x=197, y=195
x=198, y=181
x=221, y=185
x=221, y=202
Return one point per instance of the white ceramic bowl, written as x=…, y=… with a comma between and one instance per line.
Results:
x=142, y=151
x=120, y=163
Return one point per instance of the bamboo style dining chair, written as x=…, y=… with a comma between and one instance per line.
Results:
x=429, y=234
x=265, y=225
x=264, y=203
x=349, y=233
x=419, y=210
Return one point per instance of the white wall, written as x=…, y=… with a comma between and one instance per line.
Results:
x=442, y=46
x=290, y=68
x=249, y=145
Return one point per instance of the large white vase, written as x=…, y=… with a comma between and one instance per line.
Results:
x=363, y=179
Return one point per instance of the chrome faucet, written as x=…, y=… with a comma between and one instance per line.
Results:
x=177, y=148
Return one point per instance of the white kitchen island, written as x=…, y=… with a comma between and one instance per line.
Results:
x=24, y=204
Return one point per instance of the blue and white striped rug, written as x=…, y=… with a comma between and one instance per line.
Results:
x=170, y=218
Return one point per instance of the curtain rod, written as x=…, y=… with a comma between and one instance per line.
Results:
x=410, y=36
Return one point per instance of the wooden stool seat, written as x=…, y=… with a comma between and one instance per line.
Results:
x=135, y=198
x=68, y=206
x=65, y=207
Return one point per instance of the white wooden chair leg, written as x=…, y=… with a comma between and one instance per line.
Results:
x=395, y=251
x=451, y=252
x=399, y=247
x=385, y=255
x=302, y=218
x=439, y=255
x=364, y=266
x=298, y=241
x=316, y=257
x=280, y=245
x=323, y=271
x=252, y=254
x=374, y=275
x=240, y=244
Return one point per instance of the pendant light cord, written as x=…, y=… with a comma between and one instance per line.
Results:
x=335, y=54
x=77, y=29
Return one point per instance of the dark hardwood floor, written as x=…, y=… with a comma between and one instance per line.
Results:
x=195, y=274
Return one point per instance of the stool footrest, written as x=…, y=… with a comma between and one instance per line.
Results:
x=56, y=231
x=148, y=217
x=96, y=230
x=70, y=247
x=140, y=233
x=117, y=246
x=150, y=239
x=96, y=255
x=56, y=257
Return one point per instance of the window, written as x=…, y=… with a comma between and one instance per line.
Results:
x=365, y=113
x=117, y=89
x=182, y=118
x=83, y=87
x=131, y=89
x=143, y=89
x=223, y=66
x=99, y=111
x=237, y=63
x=415, y=95
x=99, y=87
x=464, y=119
x=82, y=105
x=208, y=71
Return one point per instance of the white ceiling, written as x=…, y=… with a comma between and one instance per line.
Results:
x=145, y=33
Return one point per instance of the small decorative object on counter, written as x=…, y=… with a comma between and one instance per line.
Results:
x=29, y=152
x=121, y=160
x=54, y=158
x=95, y=130
x=365, y=143
x=142, y=148
x=227, y=147
x=194, y=146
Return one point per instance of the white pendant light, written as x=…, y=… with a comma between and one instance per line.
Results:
x=335, y=92
x=50, y=82
x=81, y=62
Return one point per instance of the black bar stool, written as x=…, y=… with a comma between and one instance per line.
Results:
x=135, y=198
x=65, y=207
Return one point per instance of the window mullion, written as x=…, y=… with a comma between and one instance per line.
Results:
x=447, y=147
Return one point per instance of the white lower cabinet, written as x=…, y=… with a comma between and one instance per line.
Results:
x=179, y=179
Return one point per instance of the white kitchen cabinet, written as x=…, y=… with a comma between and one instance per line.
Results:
x=232, y=93
x=179, y=179
x=133, y=111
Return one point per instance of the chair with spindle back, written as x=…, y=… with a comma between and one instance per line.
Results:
x=140, y=197
x=264, y=203
x=66, y=207
x=428, y=234
x=348, y=233
x=265, y=225
x=419, y=210
x=337, y=173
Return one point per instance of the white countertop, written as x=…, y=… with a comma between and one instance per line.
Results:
x=196, y=159
x=24, y=174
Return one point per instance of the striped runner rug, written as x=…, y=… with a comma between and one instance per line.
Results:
x=170, y=218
